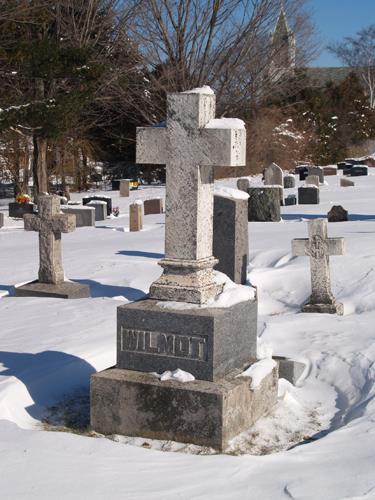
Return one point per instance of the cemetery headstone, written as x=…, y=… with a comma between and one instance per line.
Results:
x=1, y=219
x=100, y=209
x=346, y=182
x=85, y=215
x=289, y=181
x=212, y=343
x=348, y=169
x=273, y=175
x=136, y=216
x=319, y=248
x=302, y=172
x=358, y=170
x=291, y=199
x=243, y=184
x=289, y=369
x=337, y=214
x=264, y=204
x=153, y=206
x=341, y=165
x=317, y=171
x=107, y=199
x=330, y=170
x=115, y=184
x=125, y=188
x=231, y=238
x=308, y=195
x=313, y=179
x=18, y=210
x=50, y=223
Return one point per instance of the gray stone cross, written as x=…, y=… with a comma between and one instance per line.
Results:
x=190, y=144
x=319, y=247
x=50, y=223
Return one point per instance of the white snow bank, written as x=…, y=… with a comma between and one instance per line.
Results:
x=259, y=371
x=232, y=294
x=226, y=123
x=178, y=375
x=201, y=90
x=234, y=194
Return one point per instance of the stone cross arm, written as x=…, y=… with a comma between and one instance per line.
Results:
x=222, y=146
x=331, y=246
x=60, y=223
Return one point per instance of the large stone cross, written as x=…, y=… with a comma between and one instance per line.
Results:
x=50, y=223
x=319, y=247
x=190, y=144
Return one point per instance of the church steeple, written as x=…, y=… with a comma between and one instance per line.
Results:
x=283, y=45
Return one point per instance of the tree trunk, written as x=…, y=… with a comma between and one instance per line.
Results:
x=40, y=175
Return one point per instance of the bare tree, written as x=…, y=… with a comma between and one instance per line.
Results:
x=221, y=43
x=359, y=52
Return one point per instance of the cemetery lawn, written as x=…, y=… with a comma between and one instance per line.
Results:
x=319, y=441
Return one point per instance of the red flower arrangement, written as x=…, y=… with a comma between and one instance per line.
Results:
x=23, y=198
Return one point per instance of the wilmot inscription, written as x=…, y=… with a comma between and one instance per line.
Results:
x=164, y=344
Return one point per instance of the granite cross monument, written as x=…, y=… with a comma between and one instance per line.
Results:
x=50, y=223
x=319, y=247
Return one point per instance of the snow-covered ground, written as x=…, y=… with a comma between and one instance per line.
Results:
x=319, y=442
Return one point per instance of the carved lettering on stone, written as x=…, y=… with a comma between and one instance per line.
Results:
x=164, y=344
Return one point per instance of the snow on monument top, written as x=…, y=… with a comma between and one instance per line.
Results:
x=206, y=90
x=226, y=123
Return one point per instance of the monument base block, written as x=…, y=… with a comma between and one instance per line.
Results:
x=334, y=308
x=203, y=413
x=65, y=290
x=208, y=342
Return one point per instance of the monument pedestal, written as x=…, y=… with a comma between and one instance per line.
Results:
x=64, y=290
x=203, y=413
x=208, y=342
x=334, y=308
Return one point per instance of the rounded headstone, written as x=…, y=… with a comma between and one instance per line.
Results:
x=337, y=214
x=264, y=204
x=243, y=184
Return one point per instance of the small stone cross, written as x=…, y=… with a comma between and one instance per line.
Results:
x=190, y=144
x=319, y=247
x=50, y=223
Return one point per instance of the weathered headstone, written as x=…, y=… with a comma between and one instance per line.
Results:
x=1, y=219
x=107, y=199
x=273, y=175
x=243, y=184
x=319, y=247
x=153, y=206
x=341, y=165
x=136, y=216
x=330, y=170
x=289, y=181
x=308, y=195
x=213, y=343
x=100, y=209
x=346, y=182
x=316, y=171
x=85, y=215
x=18, y=210
x=348, y=169
x=358, y=170
x=313, y=180
x=231, y=238
x=125, y=188
x=302, y=171
x=291, y=199
x=50, y=223
x=337, y=214
x=264, y=204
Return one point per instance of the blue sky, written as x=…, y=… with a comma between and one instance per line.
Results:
x=336, y=19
